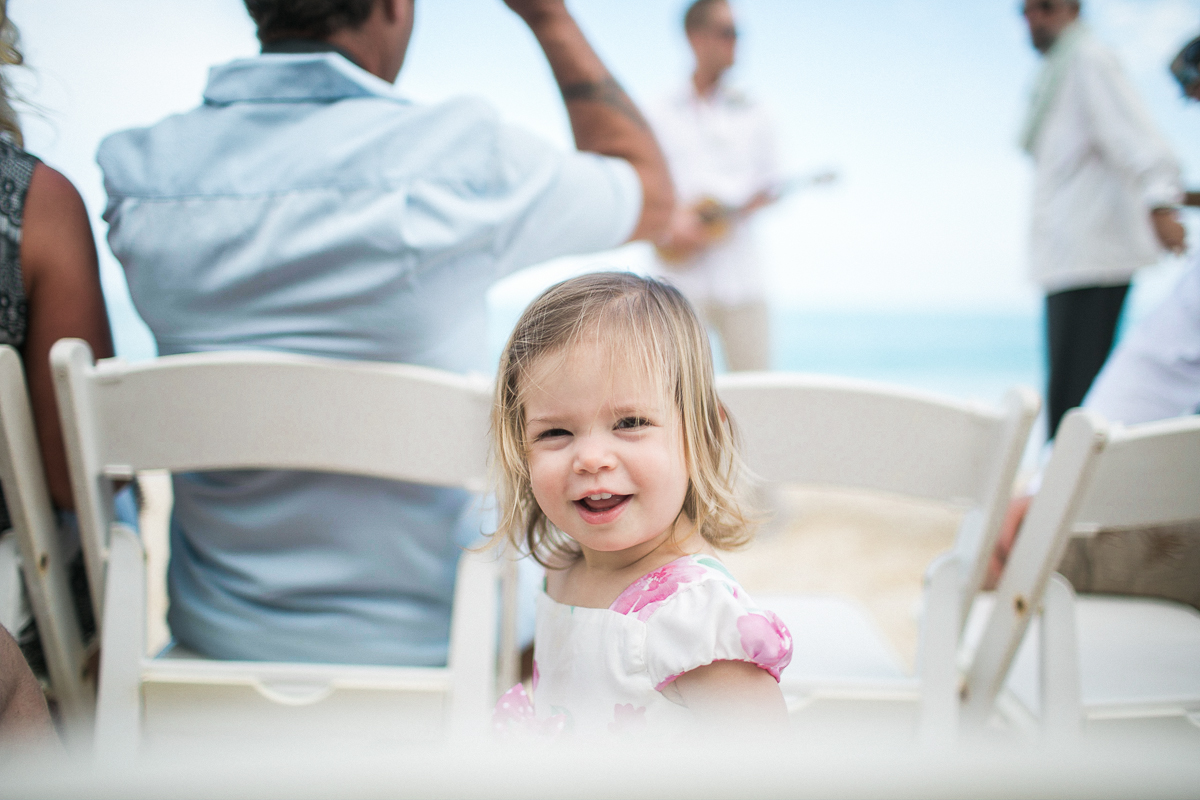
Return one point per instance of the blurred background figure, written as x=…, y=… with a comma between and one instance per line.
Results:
x=49, y=290
x=1105, y=187
x=720, y=147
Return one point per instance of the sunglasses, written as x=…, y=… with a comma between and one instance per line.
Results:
x=1041, y=7
x=726, y=32
x=1186, y=66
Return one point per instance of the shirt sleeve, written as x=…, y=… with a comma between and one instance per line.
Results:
x=568, y=202
x=1125, y=132
x=1155, y=371
x=713, y=621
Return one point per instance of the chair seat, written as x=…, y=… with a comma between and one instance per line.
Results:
x=1138, y=650
x=834, y=641
x=1136, y=656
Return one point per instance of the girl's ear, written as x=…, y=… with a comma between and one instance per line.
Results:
x=721, y=412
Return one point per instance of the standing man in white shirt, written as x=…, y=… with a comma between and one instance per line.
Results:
x=1105, y=188
x=720, y=147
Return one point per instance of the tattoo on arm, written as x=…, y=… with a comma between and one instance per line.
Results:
x=608, y=92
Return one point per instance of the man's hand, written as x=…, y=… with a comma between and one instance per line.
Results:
x=686, y=236
x=761, y=199
x=1018, y=507
x=1170, y=232
x=603, y=118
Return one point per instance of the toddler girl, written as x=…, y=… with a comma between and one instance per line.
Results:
x=618, y=474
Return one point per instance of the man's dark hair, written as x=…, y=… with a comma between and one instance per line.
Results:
x=306, y=19
x=696, y=16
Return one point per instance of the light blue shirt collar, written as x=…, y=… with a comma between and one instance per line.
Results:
x=292, y=78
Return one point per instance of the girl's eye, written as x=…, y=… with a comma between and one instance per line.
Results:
x=552, y=433
x=632, y=422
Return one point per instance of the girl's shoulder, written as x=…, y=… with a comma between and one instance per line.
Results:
x=658, y=588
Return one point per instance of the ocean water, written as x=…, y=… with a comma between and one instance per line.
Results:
x=976, y=356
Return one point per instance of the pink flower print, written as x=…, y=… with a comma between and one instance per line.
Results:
x=649, y=591
x=514, y=716
x=766, y=641
x=513, y=710
x=627, y=719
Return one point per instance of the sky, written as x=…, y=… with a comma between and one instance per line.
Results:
x=916, y=103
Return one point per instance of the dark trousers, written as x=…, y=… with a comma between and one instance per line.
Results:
x=1080, y=325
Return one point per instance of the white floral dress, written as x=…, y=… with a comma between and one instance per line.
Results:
x=603, y=670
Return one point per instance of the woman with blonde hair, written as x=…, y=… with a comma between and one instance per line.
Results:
x=49, y=290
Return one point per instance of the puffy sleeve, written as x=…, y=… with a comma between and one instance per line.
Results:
x=713, y=620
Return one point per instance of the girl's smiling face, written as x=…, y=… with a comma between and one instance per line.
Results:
x=605, y=453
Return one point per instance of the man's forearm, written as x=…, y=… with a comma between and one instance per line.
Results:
x=603, y=118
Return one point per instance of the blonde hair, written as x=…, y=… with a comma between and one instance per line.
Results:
x=10, y=56
x=647, y=319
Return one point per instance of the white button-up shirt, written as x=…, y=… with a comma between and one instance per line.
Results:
x=1101, y=166
x=305, y=207
x=720, y=146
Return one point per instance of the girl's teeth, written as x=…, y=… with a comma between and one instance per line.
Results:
x=602, y=496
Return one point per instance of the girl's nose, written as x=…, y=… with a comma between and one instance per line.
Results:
x=592, y=454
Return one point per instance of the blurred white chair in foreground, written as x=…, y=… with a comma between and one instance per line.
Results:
x=259, y=410
x=1093, y=657
x=808, y=429
x=35, y=534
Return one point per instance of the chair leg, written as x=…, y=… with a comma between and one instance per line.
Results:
x=472, y=658
x=1062, y=707
x=122, y=647
x=10, y=582
x=508, y=660
x=938, y=670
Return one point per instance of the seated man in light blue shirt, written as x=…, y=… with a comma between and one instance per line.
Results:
x=305, y=207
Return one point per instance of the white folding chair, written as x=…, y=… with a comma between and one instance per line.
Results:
x=1094, y=657
x=34, y=528
x=242, y=410
x=808, y=429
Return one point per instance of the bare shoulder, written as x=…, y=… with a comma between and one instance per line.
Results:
x=52, y=195
x=56, y=237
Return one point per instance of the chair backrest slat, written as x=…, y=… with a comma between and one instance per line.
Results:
x=811, y=429
x=291, y=412
x=248, y=410
x=1148, y=475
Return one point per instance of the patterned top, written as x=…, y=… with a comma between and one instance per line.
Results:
x=599, y=671
x=16, y=170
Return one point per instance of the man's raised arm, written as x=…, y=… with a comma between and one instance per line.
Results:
x=603, y=118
